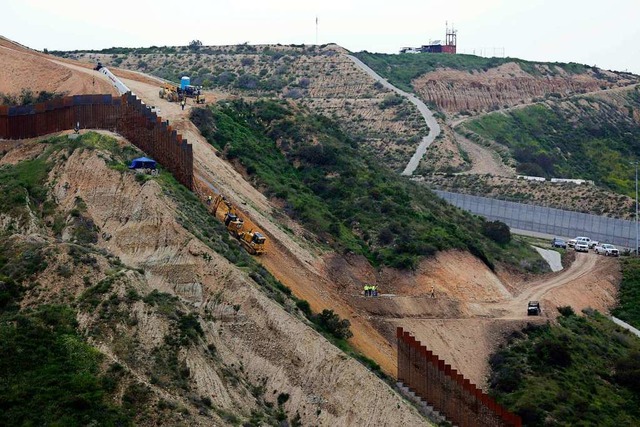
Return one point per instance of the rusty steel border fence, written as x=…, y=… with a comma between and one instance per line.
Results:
x=126, y=115
x=446, y=390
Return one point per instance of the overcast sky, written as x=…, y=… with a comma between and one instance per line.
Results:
x=602, y=33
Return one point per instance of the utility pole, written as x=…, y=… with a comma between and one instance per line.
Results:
x=636, y=163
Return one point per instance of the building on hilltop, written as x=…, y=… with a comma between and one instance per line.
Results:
x=436, y=46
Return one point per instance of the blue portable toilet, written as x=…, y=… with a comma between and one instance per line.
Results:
x=184, y=82
x=142, y=163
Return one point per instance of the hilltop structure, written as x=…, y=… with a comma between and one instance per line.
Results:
x=436, y=46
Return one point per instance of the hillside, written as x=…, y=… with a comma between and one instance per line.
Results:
x=318, y=77
x=584, y=370
x=468, y=84
x=506, y=116
x=181, y=334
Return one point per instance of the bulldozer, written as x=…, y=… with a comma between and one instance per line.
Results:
x=233, y=223
x=253, y=242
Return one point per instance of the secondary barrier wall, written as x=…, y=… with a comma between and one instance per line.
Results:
x=126, y=115
x=442, y=387
x=540, y=219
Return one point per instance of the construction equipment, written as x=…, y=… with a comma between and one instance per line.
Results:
x=171, y=93
x=253, y=242
x=233, y=223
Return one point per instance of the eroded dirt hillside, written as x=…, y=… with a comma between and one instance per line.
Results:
x=475, y=91
x=191, y=332
x=43, y=74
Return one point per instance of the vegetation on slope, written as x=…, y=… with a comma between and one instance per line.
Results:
x=49, y=375
x=196, y=62
x=596, y=141
x=89, y=390
x=344, y=196
x=582, y=371
x=403, y=68
x=28, y=97
x=629, y=296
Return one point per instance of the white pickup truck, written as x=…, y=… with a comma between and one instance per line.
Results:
x=582, y=239
x=607, y=250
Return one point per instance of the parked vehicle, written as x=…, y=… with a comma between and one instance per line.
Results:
x=581, y=246
x=533, y=309
x=583, y=239
x=558, y=243
x=607, y=250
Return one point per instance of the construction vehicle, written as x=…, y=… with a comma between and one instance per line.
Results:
x=171, y=93
x=233, y=223
x=253, y=242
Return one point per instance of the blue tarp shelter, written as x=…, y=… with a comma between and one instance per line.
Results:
x=142, y=163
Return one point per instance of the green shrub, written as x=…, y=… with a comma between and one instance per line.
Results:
x=331, y=323
x=578, y=372
x=497, y=231
x=629, y=295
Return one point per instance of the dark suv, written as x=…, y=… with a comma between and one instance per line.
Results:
x=558, y=243
x=533, y=309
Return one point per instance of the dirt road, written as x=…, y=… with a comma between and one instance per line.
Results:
x=434, y=128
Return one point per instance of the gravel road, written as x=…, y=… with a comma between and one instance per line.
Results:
x=434, y=128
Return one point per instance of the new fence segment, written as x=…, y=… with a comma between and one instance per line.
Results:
x=126, y=115
x=442, y=387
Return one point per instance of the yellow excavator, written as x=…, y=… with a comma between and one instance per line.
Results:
x=233, y=223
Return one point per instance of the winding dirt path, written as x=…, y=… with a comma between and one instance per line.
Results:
x=434, y=127
x=483, y=159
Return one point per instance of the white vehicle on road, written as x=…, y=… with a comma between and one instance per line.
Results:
x=607, y=250
x=582, y=239
x=581, y=246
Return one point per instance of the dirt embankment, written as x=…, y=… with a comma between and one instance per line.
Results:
x=247, y=329
x=506, y=86
x=23, y=68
